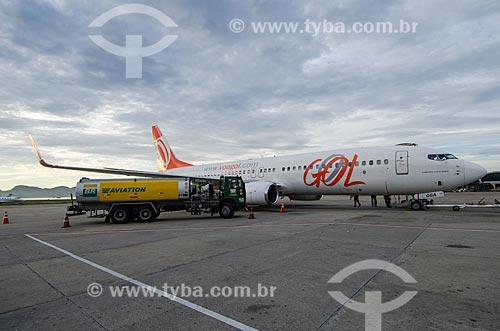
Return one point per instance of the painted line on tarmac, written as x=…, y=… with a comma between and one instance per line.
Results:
x=203, y=310
x=220, y=227
x=422, y=227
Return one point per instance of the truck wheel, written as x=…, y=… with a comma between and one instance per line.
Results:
x=226, y=210
x=120, y=215
x=415, y=205
x=146, y=214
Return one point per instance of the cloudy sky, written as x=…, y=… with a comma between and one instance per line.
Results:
x=220, y=95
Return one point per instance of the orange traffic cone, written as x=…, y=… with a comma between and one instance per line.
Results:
x=251, y=216
x=282, y=209
x=66, y=222
x=5, y=218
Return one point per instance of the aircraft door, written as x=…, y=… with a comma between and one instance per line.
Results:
x=402, y=163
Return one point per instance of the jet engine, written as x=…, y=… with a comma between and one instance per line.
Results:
x=261, y=193
x=305, y=197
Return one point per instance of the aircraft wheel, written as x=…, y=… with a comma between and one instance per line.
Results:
x=415, y=205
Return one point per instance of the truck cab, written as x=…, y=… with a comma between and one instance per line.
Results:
x=232, y=195
x=225, y=195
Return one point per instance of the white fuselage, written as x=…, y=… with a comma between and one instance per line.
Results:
x=10, y=199
x=371, y=170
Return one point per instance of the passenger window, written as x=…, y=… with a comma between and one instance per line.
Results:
x=379, y=162
x=274, y=169
x=363, y=163
x=371, y=162
x=357, y=163
x=283, y=169
x=265, y=170
x=299, y=168
x=349, y=164
x=317, y=166
x=386, y=161
x=293, y=168
x=288, y=169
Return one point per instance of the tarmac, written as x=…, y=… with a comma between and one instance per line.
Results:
x=454, y=258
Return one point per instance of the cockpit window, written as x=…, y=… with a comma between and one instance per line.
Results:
x=441, y=157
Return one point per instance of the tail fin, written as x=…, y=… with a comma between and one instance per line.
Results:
x=164, y=154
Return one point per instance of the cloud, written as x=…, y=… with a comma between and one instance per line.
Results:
x=220, y=96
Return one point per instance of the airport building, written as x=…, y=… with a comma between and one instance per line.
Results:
x=492, y=178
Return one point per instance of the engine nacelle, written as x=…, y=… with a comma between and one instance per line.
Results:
x=261, y=193
x=305, y=197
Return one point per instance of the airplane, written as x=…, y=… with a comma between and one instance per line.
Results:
x=10, y=198
x=403, y=169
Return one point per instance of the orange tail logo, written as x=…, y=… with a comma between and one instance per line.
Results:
x=164, y=154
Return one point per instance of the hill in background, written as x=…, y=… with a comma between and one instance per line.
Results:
x=24, y=191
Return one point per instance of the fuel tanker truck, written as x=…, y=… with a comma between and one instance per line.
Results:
x=145, y=198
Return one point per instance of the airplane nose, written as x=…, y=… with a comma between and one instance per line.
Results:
x=473, y=172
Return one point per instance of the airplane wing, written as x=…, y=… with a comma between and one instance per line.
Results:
x=114, y=171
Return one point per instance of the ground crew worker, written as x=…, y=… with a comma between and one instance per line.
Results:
x=387, y=199
x=356, y=200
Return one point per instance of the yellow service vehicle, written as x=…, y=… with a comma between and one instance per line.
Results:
x=145, y=198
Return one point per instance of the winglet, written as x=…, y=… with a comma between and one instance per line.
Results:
x=165, y=155
x=39, y=156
